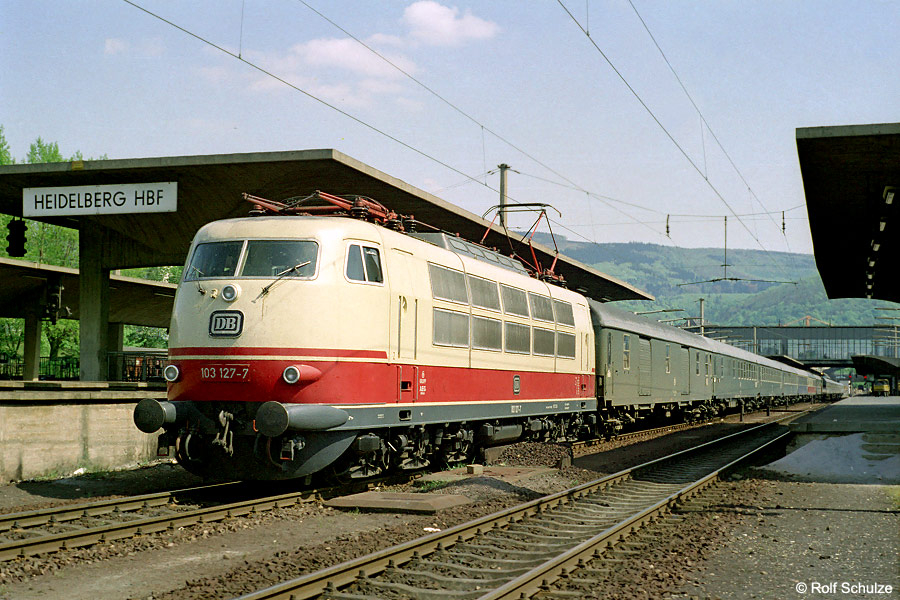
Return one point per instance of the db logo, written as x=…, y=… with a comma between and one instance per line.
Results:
x=226, y=323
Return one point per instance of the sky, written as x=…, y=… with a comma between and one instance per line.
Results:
x=619, y=114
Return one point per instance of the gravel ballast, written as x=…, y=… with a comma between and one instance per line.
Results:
x=757, y=536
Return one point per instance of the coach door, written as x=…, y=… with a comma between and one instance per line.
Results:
x=645, y=383
x=684, y=370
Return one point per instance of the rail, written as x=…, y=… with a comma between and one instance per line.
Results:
x=71, y=526
x=522, y=549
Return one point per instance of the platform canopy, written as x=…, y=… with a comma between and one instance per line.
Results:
x=878, y=366
x=210, y=188
x=131, y=300
x=850, y=174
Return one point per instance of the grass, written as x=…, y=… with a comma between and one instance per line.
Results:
x=430, y=486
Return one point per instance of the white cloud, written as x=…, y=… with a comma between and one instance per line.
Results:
x=349, y=55
x=115, y=46
x=341, y=70
x=147, y=48
x=434, y=24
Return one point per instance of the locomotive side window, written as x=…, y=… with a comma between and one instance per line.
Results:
x=484, y=293
x=518, y=338
x=447, y=284
x=287, y=258
x=565, y=345
x=364, y=264
x=451, y=328
x=544, y=342
x=515, y=302
x=564, y=313
x=541, y=307
x=487, y=334
x=214, y=259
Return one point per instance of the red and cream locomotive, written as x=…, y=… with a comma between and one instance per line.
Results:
x=300, y=342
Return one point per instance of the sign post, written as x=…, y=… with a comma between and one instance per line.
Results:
x=86, y=200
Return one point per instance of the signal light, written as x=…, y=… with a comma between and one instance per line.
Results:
x=16, y=238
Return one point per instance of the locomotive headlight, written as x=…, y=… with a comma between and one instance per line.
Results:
x=291, y=374
x=171, y=373
x=230, y=292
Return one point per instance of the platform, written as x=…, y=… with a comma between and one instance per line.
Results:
x=859, y=414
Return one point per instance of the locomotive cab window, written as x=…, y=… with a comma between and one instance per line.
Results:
x=280, y=258
x=214, y=259
x=364, y=264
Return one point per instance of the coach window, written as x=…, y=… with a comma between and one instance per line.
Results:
x=697, y=363
x=626, y=352
x=484, y=293
x=487, y=334
x=668, y=359
x=544, y=342
x=518, y=338
x=364, y=264
x=448, y=284
x=515, y=302
x=451, y=328
x=563, y=312
x=541, y=307
x=565, y=345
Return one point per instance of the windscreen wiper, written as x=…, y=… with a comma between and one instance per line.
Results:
x=280, y=276
x=200, y=274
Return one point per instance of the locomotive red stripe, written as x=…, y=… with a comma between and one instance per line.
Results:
x=263, y=351
x=372, y=383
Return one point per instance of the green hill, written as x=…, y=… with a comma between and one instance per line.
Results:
x=660, y=270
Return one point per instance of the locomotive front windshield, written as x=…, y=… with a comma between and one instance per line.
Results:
x=255, y=258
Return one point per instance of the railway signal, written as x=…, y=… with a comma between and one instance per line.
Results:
x=16, y=238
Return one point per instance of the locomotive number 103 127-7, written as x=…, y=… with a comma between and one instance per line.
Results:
x=225, y=373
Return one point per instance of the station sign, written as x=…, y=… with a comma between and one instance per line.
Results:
x=115, y=199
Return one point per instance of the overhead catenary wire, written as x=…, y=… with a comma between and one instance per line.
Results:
x=307, y=94
x=468, y=116
x=699, y=112
x=665, y=130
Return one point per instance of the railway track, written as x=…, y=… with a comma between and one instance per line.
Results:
x=72, y=526
x=527, y=549
x=592, y=446
x=580, y=448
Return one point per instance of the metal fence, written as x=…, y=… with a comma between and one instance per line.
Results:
x=122, y=366
x=136, y=366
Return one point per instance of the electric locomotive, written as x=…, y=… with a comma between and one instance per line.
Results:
x=303, y=342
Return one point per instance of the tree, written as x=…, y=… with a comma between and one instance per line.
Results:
x=5, y=156
x=62, y=338
x=44, y=152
